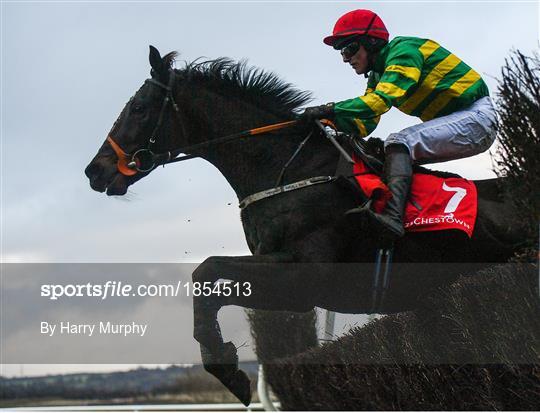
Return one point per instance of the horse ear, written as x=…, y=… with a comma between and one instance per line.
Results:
x=155, y=61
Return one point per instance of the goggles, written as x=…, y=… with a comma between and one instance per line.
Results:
x=350, y=49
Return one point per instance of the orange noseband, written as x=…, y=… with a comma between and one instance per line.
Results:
x=123, y=159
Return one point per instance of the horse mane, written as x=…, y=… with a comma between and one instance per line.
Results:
x=256, y=85
x=169, y=59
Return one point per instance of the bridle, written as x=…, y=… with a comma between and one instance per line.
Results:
x=131, y=164
x=145, y=159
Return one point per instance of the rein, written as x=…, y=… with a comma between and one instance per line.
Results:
x=131, y=164
x=171, y=157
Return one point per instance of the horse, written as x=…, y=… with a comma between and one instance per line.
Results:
x=306, y=252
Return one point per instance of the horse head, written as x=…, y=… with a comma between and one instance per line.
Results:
x=144, y=127
x=217, y=98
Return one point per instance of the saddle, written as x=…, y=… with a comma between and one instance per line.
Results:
x=437, y=201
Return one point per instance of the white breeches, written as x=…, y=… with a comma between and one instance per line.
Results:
x=458, y=135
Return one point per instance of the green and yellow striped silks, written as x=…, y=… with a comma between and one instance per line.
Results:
x=417, y=76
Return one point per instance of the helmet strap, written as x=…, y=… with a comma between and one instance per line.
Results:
x=371, y=62
x=370, y=24
x=371, y=55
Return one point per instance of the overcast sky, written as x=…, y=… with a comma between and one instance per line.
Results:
x=68, y=68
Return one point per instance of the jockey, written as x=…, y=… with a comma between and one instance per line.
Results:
x=420, y=78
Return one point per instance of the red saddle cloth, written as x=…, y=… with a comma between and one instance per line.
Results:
x=434, y=204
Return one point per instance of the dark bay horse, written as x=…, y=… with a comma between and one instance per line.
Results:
x=303, y=244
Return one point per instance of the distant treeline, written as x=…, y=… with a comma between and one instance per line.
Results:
x=133, y=383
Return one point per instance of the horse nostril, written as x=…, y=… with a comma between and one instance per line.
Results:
x=93, y=170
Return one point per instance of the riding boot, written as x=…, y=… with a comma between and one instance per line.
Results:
x=398, y=172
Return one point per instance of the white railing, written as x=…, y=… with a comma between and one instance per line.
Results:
x=224, y=407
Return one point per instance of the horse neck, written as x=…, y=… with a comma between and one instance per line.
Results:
x=253, y=163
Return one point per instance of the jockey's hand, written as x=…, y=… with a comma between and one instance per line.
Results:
x=313, y=113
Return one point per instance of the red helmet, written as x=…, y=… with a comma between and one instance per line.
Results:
x=360, y=22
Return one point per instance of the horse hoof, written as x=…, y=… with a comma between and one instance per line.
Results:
x=240, y=385
x=224, y=366
x=235, y=380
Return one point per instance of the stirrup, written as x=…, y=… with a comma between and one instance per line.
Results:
x=387, y=233
x=383, y=259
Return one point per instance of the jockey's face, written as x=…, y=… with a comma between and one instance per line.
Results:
x=359, y=61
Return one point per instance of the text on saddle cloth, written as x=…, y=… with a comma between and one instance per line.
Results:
x=435, y=203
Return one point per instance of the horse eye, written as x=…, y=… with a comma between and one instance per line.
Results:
x=137, y=108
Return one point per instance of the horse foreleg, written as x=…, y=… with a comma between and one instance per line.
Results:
x=219, y=358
